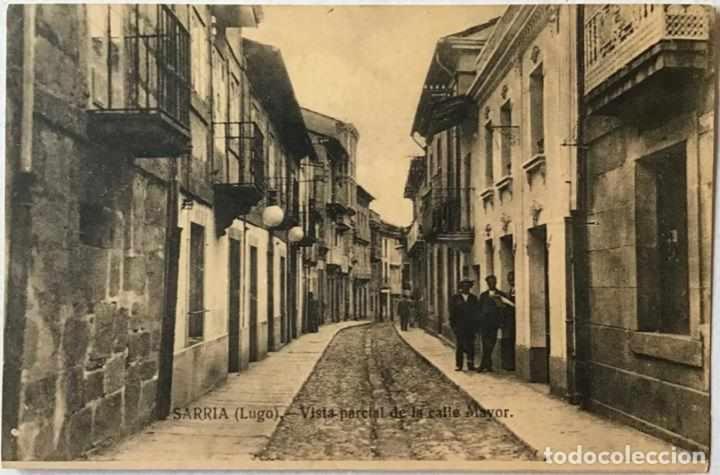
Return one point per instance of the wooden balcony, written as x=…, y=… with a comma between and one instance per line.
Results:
x=661, y=47
x=140, y=89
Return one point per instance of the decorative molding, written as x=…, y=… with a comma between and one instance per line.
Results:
x=505, y=220
x=488, y=230
x=553, y=18
x=535, y=210
x=536, y=165
x=487, y=113
x=535, y=54
x=504, y=91
x=504, y=183
x=517, y=28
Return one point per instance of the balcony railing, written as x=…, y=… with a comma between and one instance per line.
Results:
x=243, y=183
x=140, y=87
x=343, y=193
x=450, y=211
x=244, y=146
x=617, y=34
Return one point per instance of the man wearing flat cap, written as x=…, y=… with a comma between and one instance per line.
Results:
x=463, y=321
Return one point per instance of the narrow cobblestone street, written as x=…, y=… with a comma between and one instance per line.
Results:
x=371, y=397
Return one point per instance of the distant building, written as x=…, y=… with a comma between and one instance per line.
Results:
x=361, y=266
x=335, y=144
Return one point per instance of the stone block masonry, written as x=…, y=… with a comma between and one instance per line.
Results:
x=91, y=255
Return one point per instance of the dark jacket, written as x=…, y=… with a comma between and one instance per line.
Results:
x=404, y=309
x=463, y=314
x=492, y=310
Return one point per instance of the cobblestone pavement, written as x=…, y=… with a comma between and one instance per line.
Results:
x=350, y=409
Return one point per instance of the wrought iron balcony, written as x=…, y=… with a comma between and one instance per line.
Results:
x=140, y=88
x=243, y=183
x=341, y=199
x=448, y=214
x=628, y=44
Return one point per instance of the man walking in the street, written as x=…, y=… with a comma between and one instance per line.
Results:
x=463, y=316
x=313, y=312
x=491, y=313
x=404, y=312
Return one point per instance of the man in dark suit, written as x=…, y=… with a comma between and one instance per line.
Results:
x=404, y=312
x=463, y=320
x=492, y=307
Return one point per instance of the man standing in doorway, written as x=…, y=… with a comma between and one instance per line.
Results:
x=463, y=316
x=507, y=344
x=491, y=313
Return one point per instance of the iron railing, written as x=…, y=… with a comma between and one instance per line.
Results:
x=447, y=210
x=244, y=145
x=147, y=70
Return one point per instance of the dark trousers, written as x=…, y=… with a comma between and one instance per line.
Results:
x=404, y=321
x=489, y=338
x=464, y=344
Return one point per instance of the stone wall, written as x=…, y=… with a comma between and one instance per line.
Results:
x=658, y=382
x=94, y=282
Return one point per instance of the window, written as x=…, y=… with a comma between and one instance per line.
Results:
x=506, y=139
x=489, y=146
x=439, y=158
x=196, y=313
x=537, y=124
x=96, y=225
x=662, y=243
x=106, y=25
x=489, y=258
x=199, y=44
x=220, y=87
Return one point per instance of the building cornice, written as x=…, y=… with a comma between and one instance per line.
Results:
x=513, y=34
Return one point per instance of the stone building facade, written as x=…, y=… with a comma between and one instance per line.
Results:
x=135, y=237
x=525, y=180
x=445, y=121
x=361, y=268
x=648, y=171
x=590, y=133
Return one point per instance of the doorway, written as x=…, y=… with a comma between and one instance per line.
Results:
x=234, y=308
x=506, y=282
x=271, y=297
x=539, y=305
x=253, y=348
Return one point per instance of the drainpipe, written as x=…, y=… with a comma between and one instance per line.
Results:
x=18, y=224
x=28, y=92
x=577, y=346
x=172, y=262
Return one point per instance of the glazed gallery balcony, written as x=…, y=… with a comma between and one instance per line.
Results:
x=447, y=214
x=140, y=86
x=660, y=46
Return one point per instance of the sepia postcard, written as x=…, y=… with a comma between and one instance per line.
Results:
x=344, y=237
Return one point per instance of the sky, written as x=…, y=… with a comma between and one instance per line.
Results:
x=366, y=65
